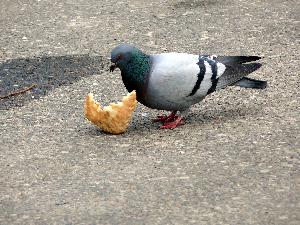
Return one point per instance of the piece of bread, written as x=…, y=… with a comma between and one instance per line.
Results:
x=114, y=118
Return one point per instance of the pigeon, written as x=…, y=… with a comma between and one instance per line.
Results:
x=176, y=81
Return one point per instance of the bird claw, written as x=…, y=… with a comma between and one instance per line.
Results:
x=166, y=118
x=171, y=125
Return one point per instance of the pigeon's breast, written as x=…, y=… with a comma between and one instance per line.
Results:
x=171, y=80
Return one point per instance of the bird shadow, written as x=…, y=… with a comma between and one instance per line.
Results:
x=43, y=74
x=223, y=113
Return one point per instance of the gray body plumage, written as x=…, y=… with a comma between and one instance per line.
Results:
x=175, y=81
x=179, y=80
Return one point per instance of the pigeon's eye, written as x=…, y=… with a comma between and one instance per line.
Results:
x=119, y=57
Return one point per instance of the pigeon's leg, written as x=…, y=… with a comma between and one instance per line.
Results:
x=179, y=120
x=171, y=125
x=165, y=118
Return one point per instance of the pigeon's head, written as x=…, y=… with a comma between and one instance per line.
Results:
x=121, y=55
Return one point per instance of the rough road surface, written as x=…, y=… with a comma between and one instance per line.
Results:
x=236, y=161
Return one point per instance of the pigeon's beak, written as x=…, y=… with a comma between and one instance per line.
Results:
x=112, y=67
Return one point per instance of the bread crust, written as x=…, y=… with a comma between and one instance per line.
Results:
x=114, y=118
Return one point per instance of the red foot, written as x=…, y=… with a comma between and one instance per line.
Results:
x=171, y=125
x=165, y=118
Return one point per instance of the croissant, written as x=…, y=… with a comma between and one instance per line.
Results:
x=114, y=118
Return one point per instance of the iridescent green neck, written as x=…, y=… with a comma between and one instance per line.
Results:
x=136, y=70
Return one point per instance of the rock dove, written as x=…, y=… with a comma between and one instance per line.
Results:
x=176, y=81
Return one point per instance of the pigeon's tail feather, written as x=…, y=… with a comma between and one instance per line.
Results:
x=231, y=60
x=236, y=72
x=251, y=83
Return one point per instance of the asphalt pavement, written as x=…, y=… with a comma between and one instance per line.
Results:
x=236, y=161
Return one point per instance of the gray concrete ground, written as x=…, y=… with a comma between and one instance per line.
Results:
x=236, y=161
